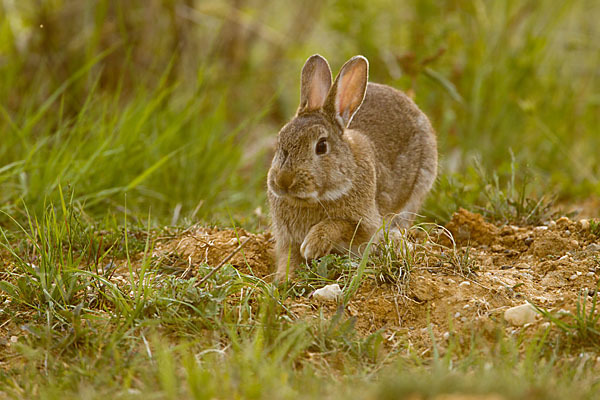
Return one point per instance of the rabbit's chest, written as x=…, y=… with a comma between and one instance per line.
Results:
x=295, y=222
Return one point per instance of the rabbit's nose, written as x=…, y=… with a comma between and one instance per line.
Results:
x=285, y=180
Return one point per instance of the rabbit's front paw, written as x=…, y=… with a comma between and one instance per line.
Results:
x=316, y=244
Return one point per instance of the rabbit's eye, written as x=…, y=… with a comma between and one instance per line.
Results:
x=321, y=147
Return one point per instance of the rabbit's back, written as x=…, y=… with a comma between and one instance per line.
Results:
x=405, y=145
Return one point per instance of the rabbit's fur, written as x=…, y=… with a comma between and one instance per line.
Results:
x=379, y=161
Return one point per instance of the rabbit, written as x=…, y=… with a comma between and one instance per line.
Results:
x=356, y=154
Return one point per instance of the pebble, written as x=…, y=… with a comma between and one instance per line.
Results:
x=590, y=274
x=446, y=335
x=541, y=228
x=522, y=265
x=520, y=315
x=551, y=225
x=328, y=293
x=457, y=315
x=14, y=339
x=232, y=242
x=573, y=277
x=584, y=224
x=562, y=221
x=593, y=247
x=465, y=283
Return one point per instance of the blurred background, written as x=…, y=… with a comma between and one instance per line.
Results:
x=170, y=108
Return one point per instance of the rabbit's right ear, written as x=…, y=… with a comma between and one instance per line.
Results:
x=348, y=91
x=315, y=83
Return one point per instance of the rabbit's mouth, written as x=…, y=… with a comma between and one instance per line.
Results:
x=288, y=194
x=303, y=197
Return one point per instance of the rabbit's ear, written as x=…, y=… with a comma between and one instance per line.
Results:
x=315, y=83
x=348, y=90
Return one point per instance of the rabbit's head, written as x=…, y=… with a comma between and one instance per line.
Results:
x=313, y=161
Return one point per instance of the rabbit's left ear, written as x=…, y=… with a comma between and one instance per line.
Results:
x=315, y=83
x=348, y=91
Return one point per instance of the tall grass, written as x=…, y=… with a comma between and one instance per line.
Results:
x=164, y=153
x=175, y=103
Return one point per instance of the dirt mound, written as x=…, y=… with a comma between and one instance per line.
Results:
x=466, y=226
x=493, y=268
x=212, y=246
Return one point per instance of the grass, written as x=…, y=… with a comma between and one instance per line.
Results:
x=125, y=121
x=81, y=329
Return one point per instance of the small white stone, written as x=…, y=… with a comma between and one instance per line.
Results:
x=573, y=277
x=465, y=283
x=520, y=315
x=551, y=225
x=584, y=224
x=541, y=228
x=590, y=274
x=578, y=273
x=522, y=265
x=457, y=315
x=328, y=293
x=563, y=258
x=446, y=335
x=232, y=242
x=14, y=339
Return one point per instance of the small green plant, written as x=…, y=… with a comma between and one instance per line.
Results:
x=459, y=260
x=595, y=227
x=582, y=326
x=393, y=258
x=323, y=271
x=512, y=202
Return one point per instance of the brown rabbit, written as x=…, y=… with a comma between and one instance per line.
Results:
x=356, y=153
